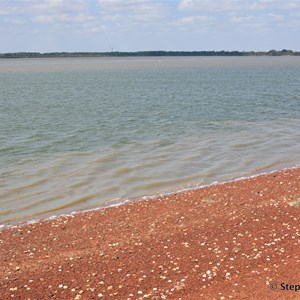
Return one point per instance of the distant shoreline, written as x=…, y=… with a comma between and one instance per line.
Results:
x=283, y=52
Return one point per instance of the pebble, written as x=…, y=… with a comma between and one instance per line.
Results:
x=50, y=294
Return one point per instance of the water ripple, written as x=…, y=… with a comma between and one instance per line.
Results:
x=84, y=136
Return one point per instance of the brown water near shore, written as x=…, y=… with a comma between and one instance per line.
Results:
x=238, y=240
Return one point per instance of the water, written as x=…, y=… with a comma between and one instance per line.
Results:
x=81, y=133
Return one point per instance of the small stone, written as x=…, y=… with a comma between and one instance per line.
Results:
x=50, y=294
x=17, y=233
x=178, y=287
x=100, y=295
x=77, y=297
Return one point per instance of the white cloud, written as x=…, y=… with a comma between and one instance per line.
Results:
x=57, y=6
x=138, y=10
x=52, y=17
x=258, y=23
x=190, y=21
x=7, y=9
x=275, y=17
x=195, y=19
x=59, y=11
x=45, y=11
x=235, y=5
x=244, y=15
x=140, y=24
x=194, y=23
x=130, y=5
x=59, y=14
x=121, y=4
x=63, y=18
x=280, y=4
x=251, y=19
x=240, y=19
x=216, y=5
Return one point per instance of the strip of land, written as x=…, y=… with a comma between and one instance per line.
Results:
x=238, y=240
x=283, y=52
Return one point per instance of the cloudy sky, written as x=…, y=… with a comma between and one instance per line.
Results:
x=135, y=25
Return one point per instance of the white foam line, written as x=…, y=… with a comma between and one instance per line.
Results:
x=145, y=198
x=215, y=183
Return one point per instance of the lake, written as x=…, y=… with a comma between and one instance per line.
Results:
x=80, y=133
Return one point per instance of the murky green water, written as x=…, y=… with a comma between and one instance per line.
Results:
x=82, y=133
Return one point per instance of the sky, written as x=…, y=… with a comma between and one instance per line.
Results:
x=144, y=25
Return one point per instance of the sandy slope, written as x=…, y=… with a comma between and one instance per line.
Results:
x=227, y=241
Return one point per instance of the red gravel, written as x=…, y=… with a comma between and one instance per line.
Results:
x=227, y=241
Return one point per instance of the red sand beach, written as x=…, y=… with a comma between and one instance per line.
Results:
x=238, y=240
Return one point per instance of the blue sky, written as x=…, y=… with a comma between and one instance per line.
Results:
x=136, y=25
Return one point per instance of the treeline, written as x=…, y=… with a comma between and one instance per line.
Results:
x=148, y=53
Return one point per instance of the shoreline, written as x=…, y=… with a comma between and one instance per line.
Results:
x=224, y=240
x=121, y=201
x=148, y=53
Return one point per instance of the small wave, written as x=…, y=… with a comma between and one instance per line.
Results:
x=119, y=201
x=122, y=171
